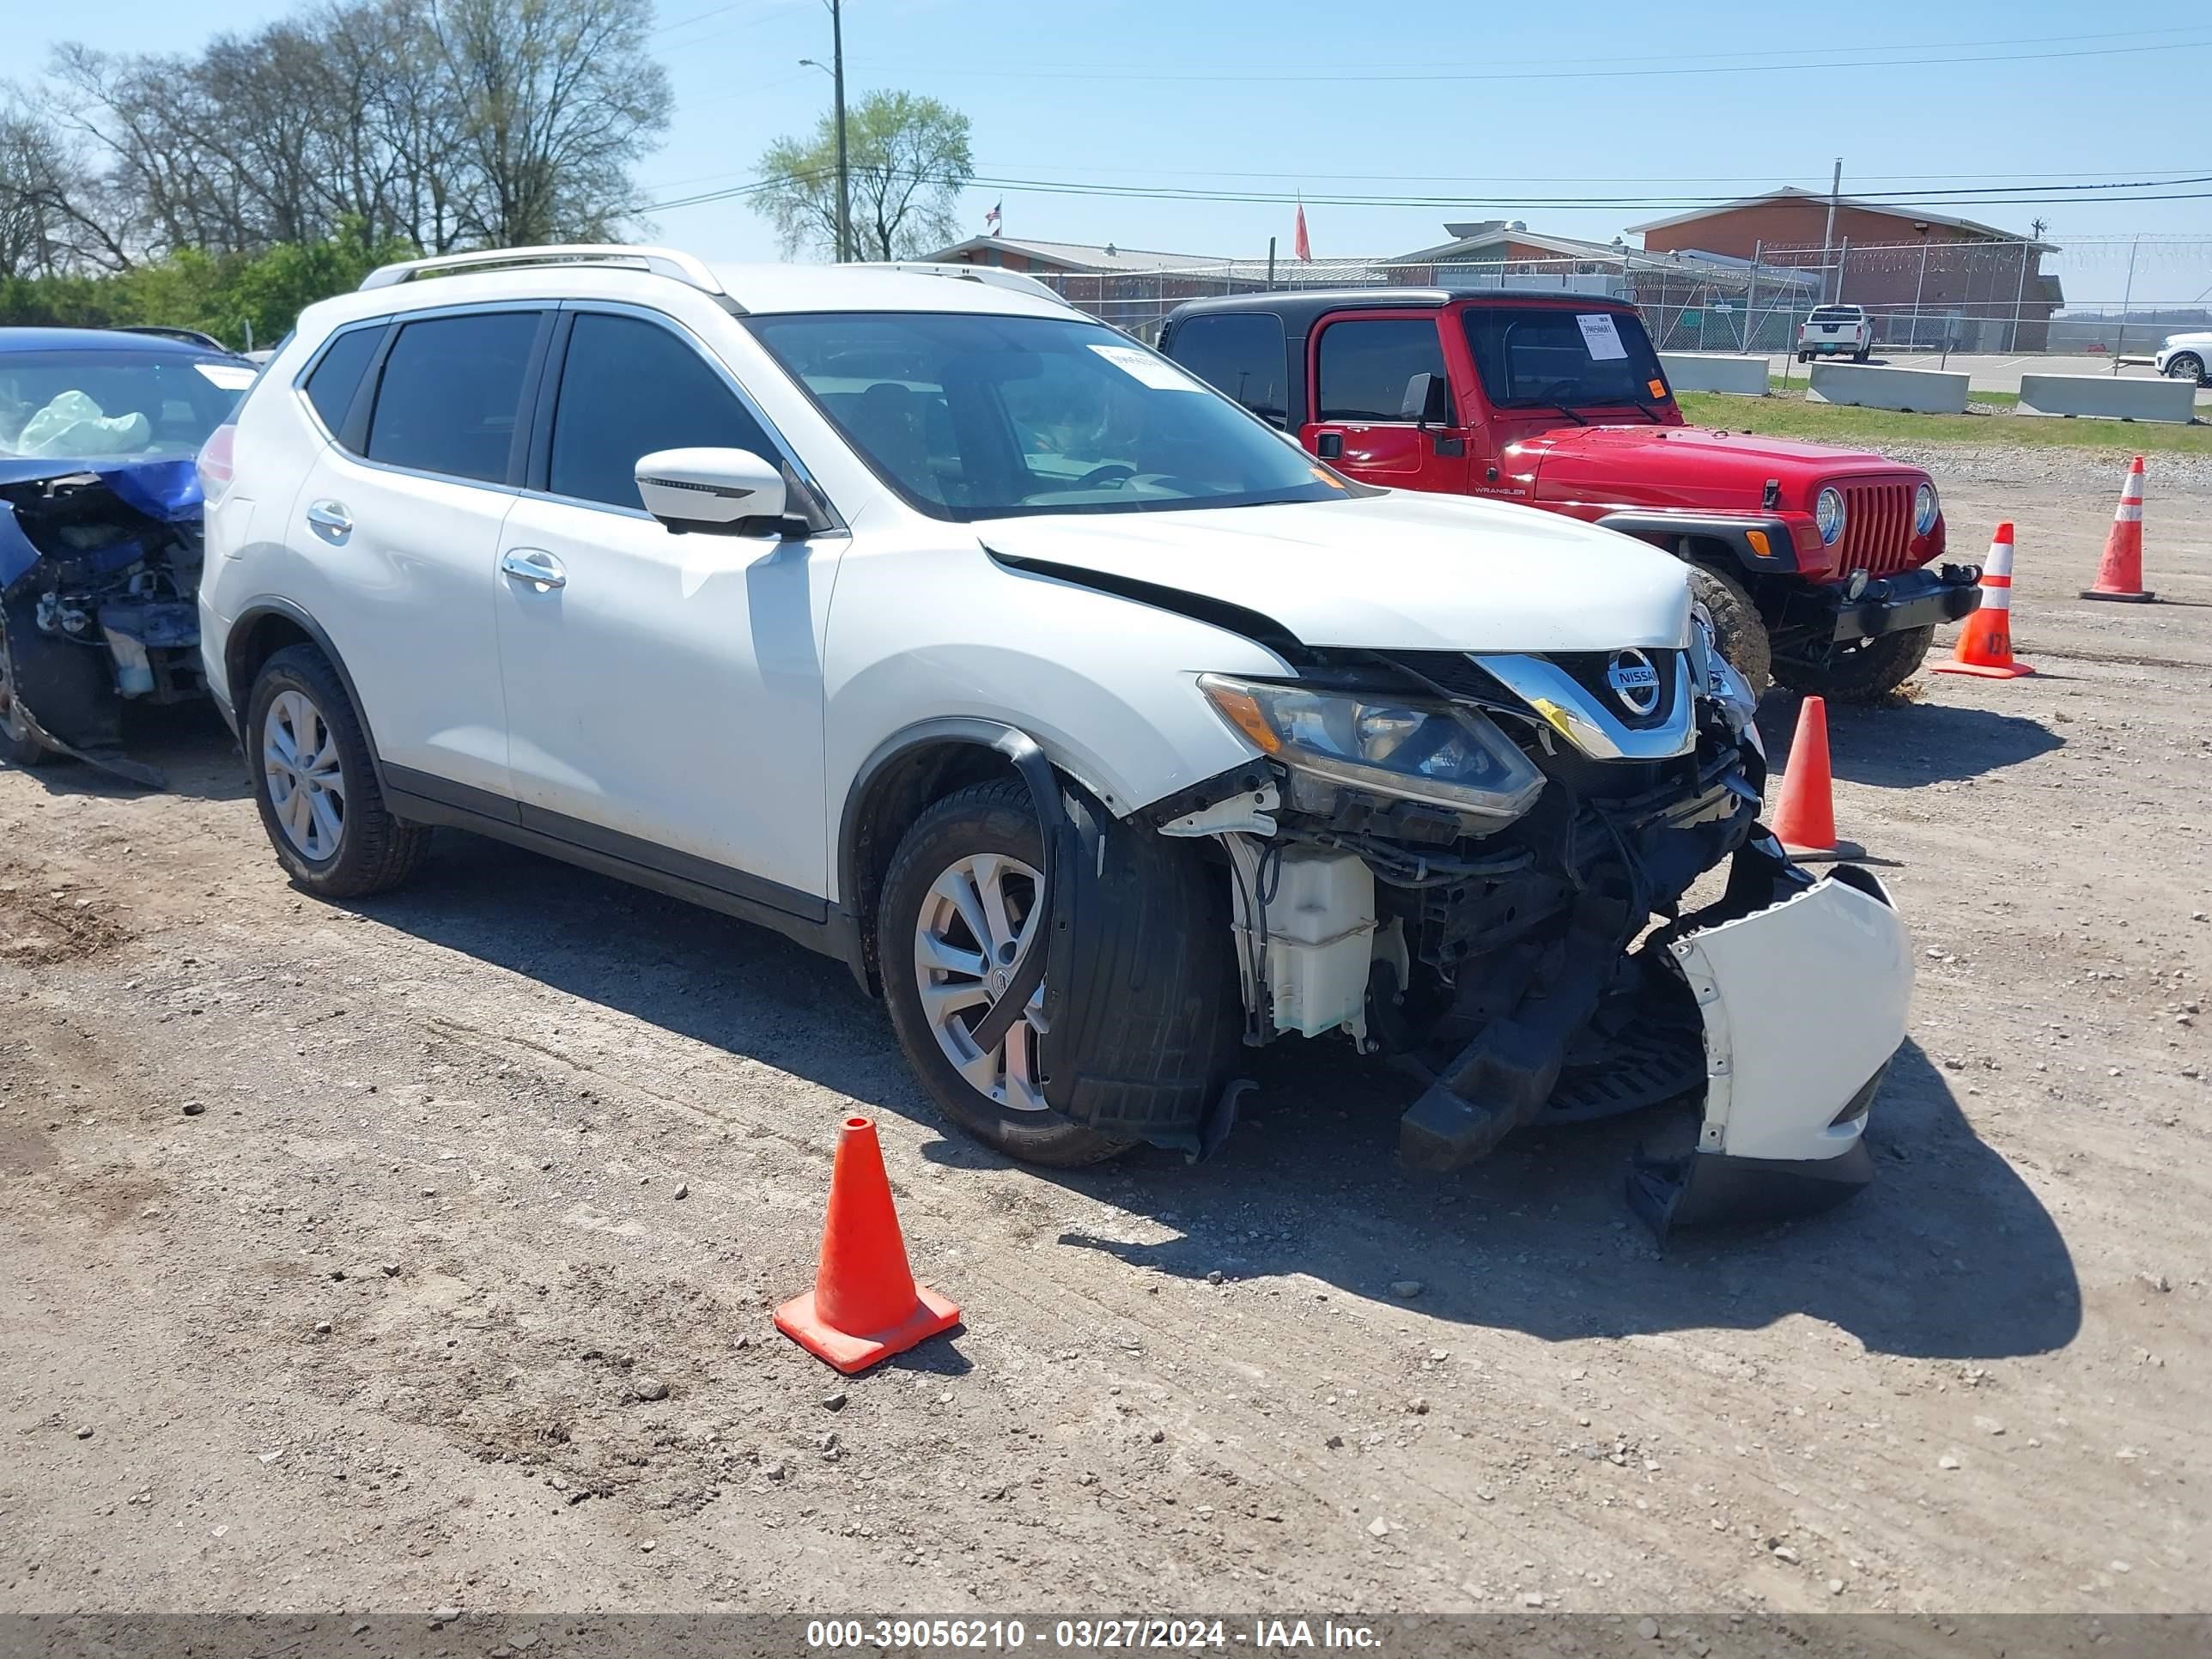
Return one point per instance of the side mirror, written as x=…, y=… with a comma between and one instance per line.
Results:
x=718, y=491
x=1428, y=400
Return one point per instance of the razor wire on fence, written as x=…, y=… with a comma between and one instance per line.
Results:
x=2113, y=296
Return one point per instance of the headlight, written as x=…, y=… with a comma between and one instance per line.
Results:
x=1828, y=513
x=1423, y=751
x=1925, y=507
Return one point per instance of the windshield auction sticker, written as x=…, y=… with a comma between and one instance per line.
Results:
x=1599, y=334
x=1155, y=372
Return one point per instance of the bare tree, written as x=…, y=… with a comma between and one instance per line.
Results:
x=441, y=122
x=46, y=194
x=555, y=99
x=908, y=158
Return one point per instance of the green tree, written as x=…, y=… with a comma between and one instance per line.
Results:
x=908, y=158
x=233, y=297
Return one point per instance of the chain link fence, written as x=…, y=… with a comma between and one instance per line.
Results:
x=2108, y=296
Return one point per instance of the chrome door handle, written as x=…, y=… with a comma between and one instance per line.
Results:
x=332, y=519
x=535, y=566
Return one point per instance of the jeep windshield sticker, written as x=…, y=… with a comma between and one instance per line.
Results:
x=1602, y=338
x=1155, y=372
x=231, y=377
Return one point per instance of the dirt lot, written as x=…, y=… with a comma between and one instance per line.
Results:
x=420, y=1254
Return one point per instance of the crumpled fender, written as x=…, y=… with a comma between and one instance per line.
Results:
x=1803, y=989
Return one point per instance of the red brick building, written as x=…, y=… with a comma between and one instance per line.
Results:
x=1927, y=277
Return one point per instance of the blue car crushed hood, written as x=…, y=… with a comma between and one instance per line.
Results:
x=99, y=561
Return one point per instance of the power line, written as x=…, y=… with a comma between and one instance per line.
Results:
x=1918, y=60
x=2106, y=192
x=1762, y=180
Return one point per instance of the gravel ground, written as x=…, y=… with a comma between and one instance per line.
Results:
x=420, y=1254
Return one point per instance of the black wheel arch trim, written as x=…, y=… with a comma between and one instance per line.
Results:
x=972, y=730
x=240, y=697
x=1731, y=529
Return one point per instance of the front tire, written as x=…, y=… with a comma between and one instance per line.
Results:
x=315, y=783
x=2185, y=365
x=1738, y=629
x=958, y=903
x=961, y=890
x=17, y=746
x=1862, y=672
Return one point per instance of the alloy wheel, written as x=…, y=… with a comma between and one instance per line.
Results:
x=973, y=925
x=307, y=786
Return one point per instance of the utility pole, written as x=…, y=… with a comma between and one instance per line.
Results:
x=844, y=173
x=834, y=68
x=1828, y=236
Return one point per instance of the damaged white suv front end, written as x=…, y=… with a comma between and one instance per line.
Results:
x=1459, y=882
x=1474, y=863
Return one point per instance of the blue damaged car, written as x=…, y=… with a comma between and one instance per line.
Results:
x=99, y=532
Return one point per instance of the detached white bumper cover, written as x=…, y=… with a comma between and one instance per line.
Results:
x=1803, y=1000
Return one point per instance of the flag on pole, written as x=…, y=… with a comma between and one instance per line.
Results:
x=991, y=220
x=1299, y=246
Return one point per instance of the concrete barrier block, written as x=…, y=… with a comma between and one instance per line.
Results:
x=1922, y=390
x=1715, y=371
x=2108, y=396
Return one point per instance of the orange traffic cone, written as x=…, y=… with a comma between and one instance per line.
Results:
x=1984, y=645
x=1805, y=814
x=2120, y=577
x=865, y=1305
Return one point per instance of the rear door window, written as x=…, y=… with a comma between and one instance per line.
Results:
x=331, y=386
x=1365, y=363
x=452, y=394
x=629, y=387
x=1240, y=355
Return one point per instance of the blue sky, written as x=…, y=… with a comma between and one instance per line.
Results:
x=1496, y=106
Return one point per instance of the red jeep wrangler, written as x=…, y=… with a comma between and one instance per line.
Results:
x=1812, y=561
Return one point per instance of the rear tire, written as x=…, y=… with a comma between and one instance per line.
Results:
x=990, y=830
x=315, y=783
x=1861, y=357
x=1737, y=627
x=17, y=746
x=1859, y=673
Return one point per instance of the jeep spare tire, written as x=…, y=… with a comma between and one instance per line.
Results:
x=1737, y=628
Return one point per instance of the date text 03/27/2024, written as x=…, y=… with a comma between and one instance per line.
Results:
x=1083, y=1634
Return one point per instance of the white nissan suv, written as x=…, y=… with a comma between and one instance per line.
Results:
x=1099, y=729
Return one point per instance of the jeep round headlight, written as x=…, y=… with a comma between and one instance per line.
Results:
x=1925, y=507
x=1427, y=752
x=1828, y=513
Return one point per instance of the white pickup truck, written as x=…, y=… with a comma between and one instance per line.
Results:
x=1833, y=331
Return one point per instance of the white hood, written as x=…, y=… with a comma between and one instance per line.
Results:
x=1399, y=572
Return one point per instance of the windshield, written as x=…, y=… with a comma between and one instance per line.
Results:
x=1530, y=357
x=972, y=416
x=82, y=406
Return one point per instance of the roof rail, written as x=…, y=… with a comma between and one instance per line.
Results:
x=994, y=276
x=661, y=261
